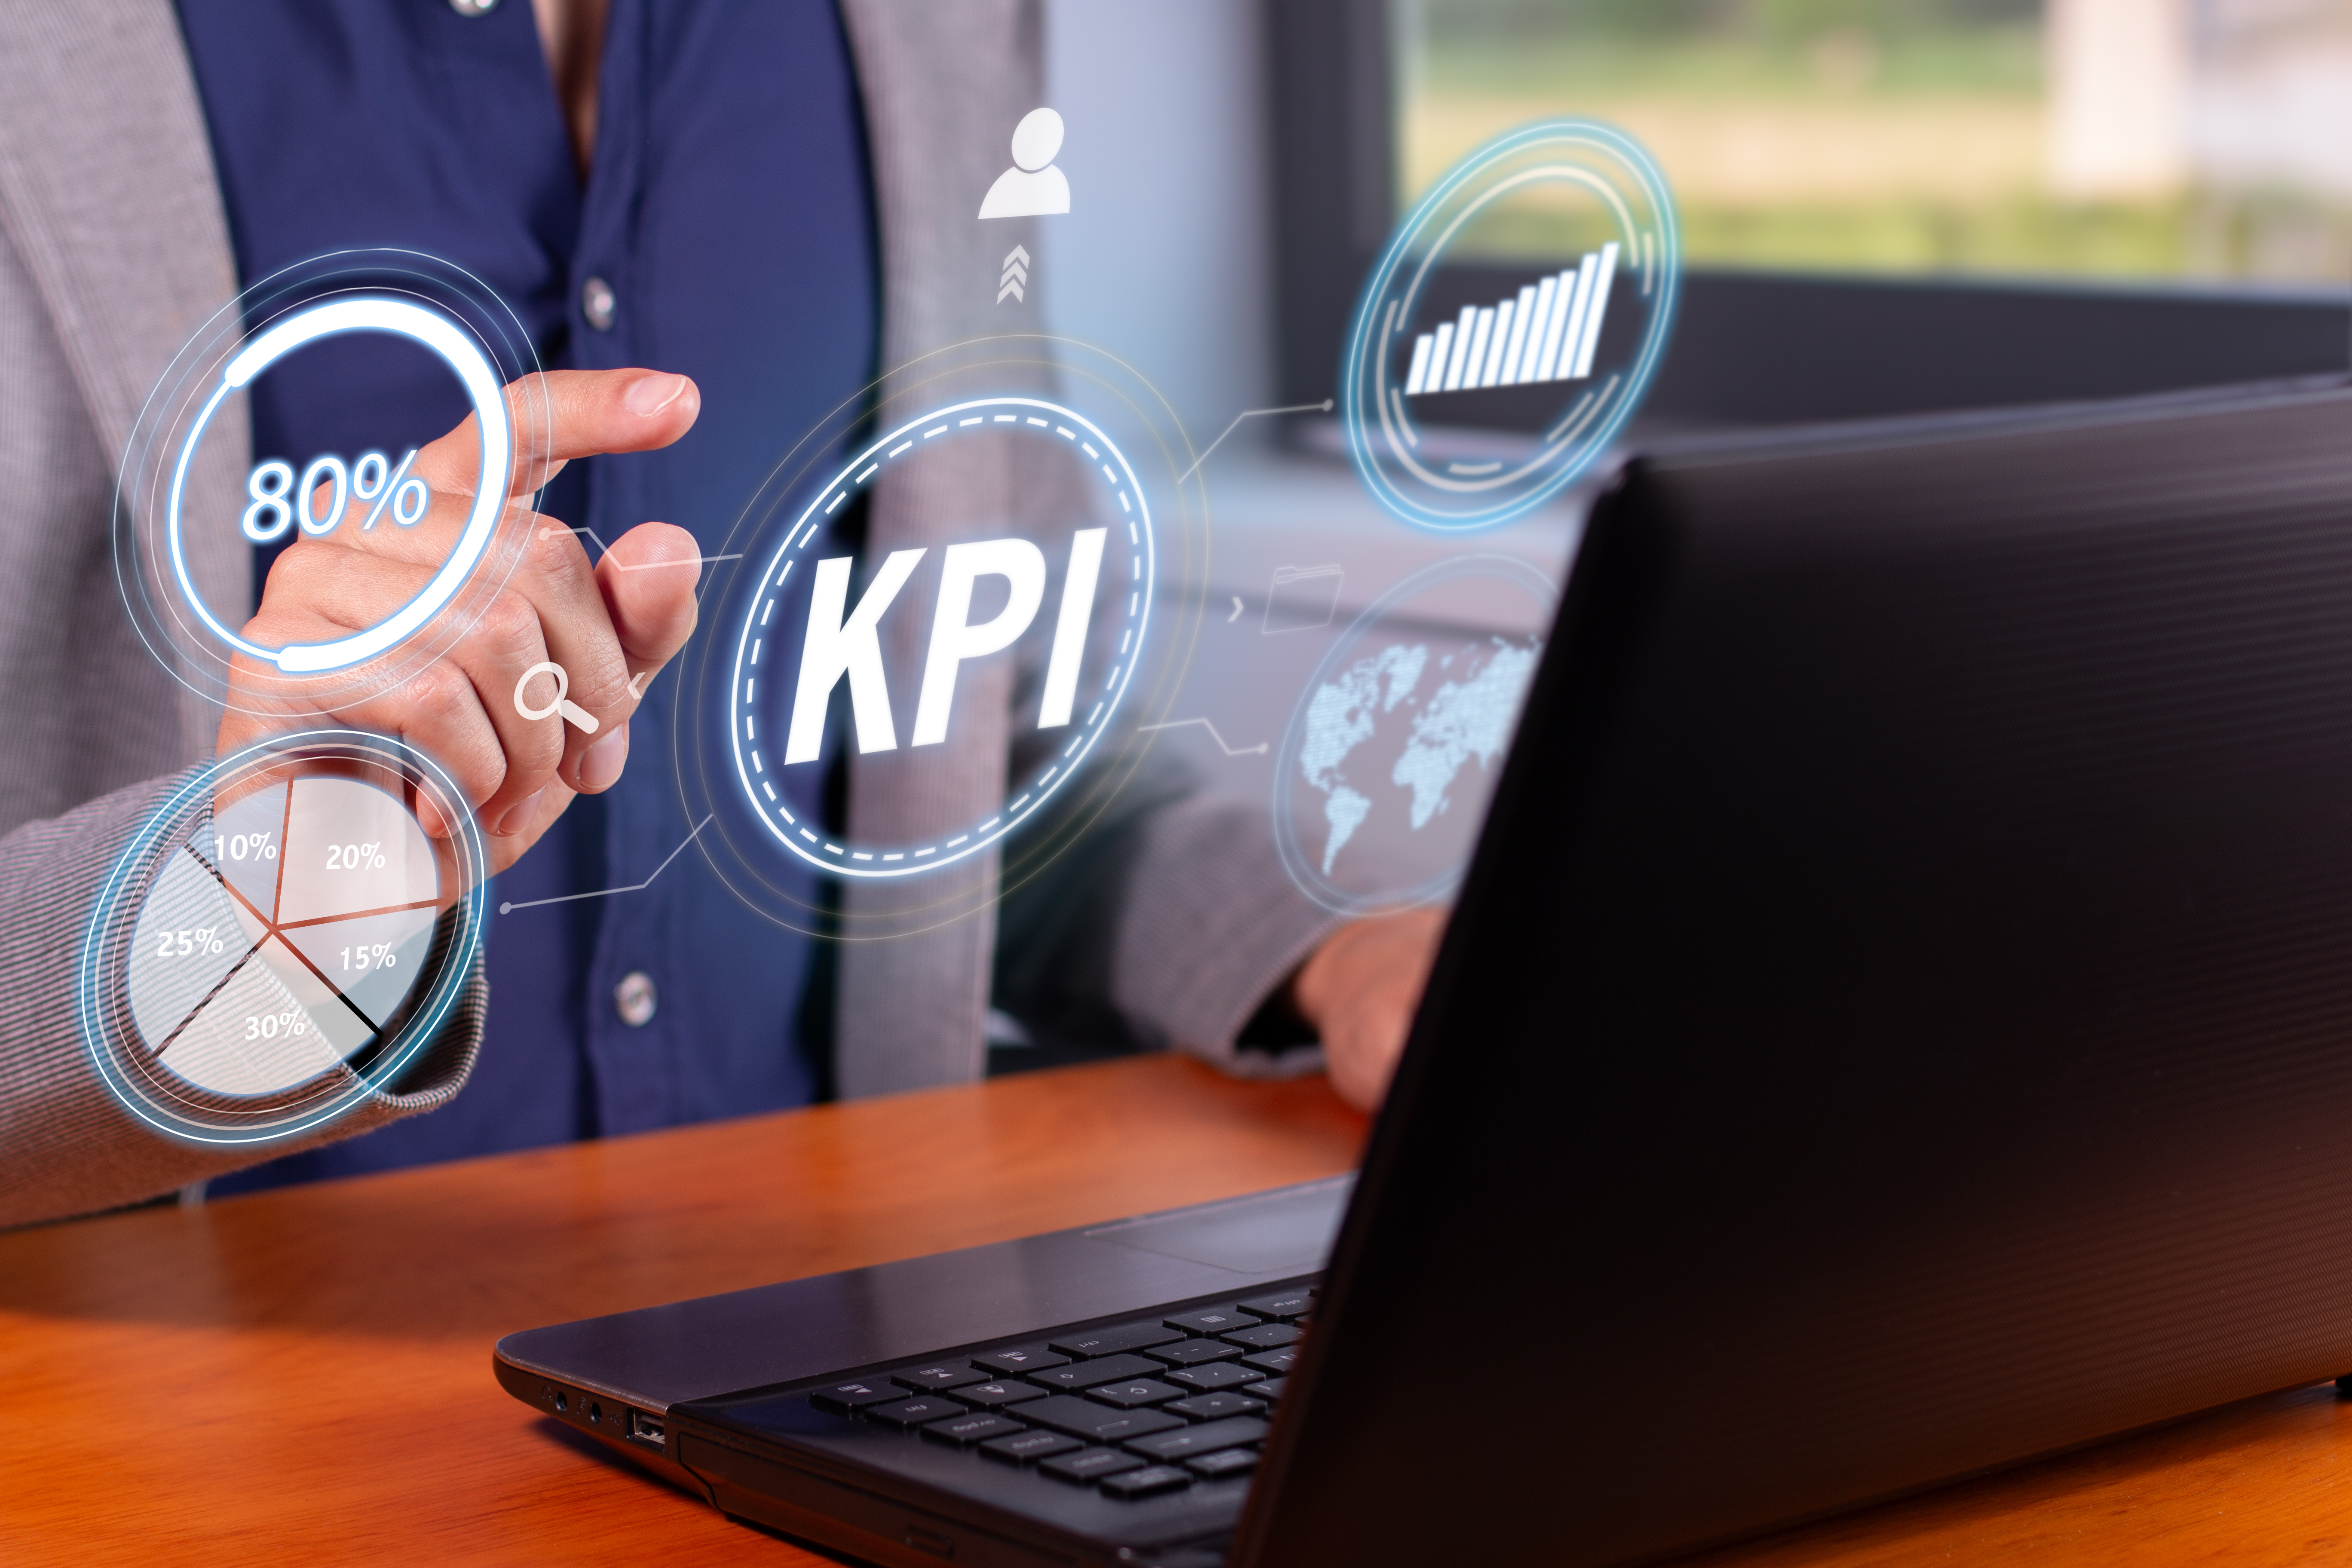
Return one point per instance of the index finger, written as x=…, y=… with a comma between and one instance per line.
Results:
x=561, y=414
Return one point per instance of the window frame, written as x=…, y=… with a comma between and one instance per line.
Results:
x=1752, y=347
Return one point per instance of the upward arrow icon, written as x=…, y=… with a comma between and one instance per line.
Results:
x=1016, y=276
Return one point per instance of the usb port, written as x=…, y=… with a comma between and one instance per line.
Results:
x=647, y=1429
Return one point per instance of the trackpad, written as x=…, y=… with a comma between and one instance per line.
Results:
x=1285, y=1232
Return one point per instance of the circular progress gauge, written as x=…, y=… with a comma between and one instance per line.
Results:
x=281, y=940
x=416, y=323
x=366, y=334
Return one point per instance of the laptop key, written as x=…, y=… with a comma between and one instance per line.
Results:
x=972, y=1427
x=1271, y=1388
x=1022, y=1448
x=848, y=1398
x=1214, y=1320
x=938, y=1377
x=1150, y=1481
x=1090, y=1465
x=1215, y=1375
x=1186, y=1441
x=1098, y=1422
x=1223, y=1464
x=1265, y=1337
x=1284, y=1307
x=1019, y=1359
x=988, y=1395
x=1112, y=1340
x=1086, y=1373
x=1215, y=1406
x=1277, y=1363
x=1127, y=1396
x=915, y=1412
x=1191, y=1353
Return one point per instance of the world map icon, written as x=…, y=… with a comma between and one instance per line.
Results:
x=1397, y=739
x=1466, y=716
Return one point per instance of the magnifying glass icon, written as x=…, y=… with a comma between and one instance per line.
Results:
x=572, y=710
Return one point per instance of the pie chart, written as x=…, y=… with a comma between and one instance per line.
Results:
x=282, y=938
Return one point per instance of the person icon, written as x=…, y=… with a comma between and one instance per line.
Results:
x=1033, y=187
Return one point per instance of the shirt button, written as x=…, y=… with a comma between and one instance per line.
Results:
x=596, y=303
x=473, y=7
x=634, y=999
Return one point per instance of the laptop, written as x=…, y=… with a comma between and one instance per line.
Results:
x=1897, y=1022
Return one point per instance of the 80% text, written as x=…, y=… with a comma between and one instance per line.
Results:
x=280, y=501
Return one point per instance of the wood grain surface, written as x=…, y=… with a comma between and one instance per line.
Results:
x=304, y=1375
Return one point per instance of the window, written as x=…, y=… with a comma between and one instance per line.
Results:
x=1890, y=206
x=2150, y=139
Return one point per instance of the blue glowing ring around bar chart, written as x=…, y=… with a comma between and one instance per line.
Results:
x=399, y=318
x=1456, y=484
x=823, y=850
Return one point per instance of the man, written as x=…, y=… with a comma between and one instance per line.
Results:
x=722, y=191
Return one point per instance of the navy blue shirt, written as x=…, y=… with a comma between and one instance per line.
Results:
x=727, y=206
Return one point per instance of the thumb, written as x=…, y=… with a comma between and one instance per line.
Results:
x=648, y=578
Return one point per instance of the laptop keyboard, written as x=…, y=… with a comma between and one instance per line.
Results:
x=1134, y=1410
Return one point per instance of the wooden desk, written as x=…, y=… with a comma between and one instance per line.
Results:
x=304, y=1375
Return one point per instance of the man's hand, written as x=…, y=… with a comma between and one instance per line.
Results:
x=1360, y=990
x=605, y=625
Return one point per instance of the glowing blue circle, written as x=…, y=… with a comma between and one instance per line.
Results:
x=121, y=1056
x=822, y=850
x=1548, y=335
x=1428, y=880
x=334, y=318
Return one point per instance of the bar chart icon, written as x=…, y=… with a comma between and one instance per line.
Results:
x=1549, y=331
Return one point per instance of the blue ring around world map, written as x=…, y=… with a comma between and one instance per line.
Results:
x=1491, y=722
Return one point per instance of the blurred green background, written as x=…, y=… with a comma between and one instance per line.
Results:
x=1911, y=136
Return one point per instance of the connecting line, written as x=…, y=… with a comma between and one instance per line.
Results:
x=646, y=566
x=1322, y=407
x=1256, y=751
x=608, y=893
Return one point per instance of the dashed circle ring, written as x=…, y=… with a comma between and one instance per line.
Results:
x=822, y=850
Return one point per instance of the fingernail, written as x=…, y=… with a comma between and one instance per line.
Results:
x=600, y=763
x=520, y=815
x=650, y=394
